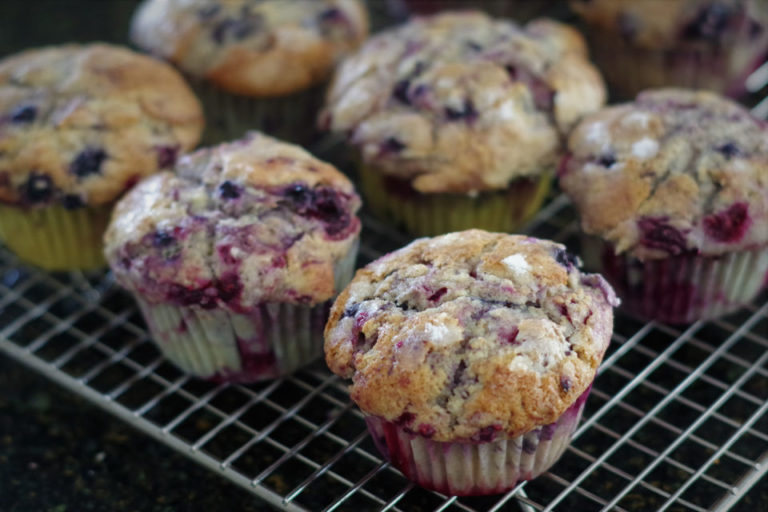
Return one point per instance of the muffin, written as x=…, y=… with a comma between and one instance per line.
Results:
x=234, y=259
x=673, y=191
x=458, y=118
x=471, y=356
x=702, y=44
x=255, y=65
x=515, y=9
x=79, y=125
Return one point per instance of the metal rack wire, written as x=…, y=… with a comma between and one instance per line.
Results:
x=677, y=420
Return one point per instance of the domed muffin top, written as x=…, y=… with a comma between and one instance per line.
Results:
x=81, y=124
x=460, y=102
x=470, y=335
x=238, y=225
x=265, y=48
x=672, y=172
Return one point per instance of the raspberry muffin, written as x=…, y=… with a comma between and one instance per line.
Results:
x=702, y=44
x=674, y=189
x=471, y=356
x=234, y=258
x=79, y=125
x=256, y=65
x=458, y=118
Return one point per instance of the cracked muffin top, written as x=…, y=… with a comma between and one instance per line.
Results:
x=657, y=24
x=460, y=102
x=674, y=171
x=237, y=225
x=81, y=124
x=470, y=335
x=252, y=47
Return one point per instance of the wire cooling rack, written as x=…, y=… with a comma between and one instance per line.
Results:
x=677, y=419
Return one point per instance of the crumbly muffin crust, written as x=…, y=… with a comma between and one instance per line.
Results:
x=658, y=24
x=674, y=171
x=266, y=48
x=459, y=102
x=470, y=335
x=81, y=124
x=238, y=225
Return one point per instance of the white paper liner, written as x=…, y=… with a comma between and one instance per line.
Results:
x=268, y=341
x=475, y=468
x=680, y=289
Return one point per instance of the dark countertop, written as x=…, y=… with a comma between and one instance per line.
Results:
x=59, y=453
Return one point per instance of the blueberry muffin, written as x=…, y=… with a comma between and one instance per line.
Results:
x=702, y=44
x=234, y=258
x=520, y=10
x=79, y=125
x=256, y=65
x=471, y=356
x=458, y=118
x=673, y=188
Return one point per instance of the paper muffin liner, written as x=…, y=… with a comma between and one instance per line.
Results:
x=55, y=238
x=629, y=70
x=265, y=342
x=680, y=289
x=434, y=214
x=466, y=468
x=228, y=116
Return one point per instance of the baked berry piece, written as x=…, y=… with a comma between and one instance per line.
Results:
x=673, y=191
x=234, y=258
x=471, y=356
x=459, y=117
x=80, y=125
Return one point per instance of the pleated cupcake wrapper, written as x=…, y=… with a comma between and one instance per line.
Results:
x=228, y=116
x=469, y=468
x=269, y=341
x=54, y=237
x=434, y=214
x=680, y=289
x=630, y=70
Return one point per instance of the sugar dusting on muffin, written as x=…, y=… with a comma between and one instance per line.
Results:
x=239, y=224
x=470, y=331
x=672, y=172
x=460, y=102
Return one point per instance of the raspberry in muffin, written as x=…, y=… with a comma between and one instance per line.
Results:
x=673, y=188
x=234, y=258
x=702, y=44
x=458, y=118
x=256, y=65
x=79, y=125
x=471, y=355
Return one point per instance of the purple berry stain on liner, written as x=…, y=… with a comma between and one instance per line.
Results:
x=487, y=434
x=88, y=162
x=729, y=225
x=656, y=233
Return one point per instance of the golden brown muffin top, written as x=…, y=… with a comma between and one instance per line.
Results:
x=81, y=124
x=469, y=333
x=672, y=172
x=657, y=24
x=265, y=48
x=238, y=225
x=460, y=102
